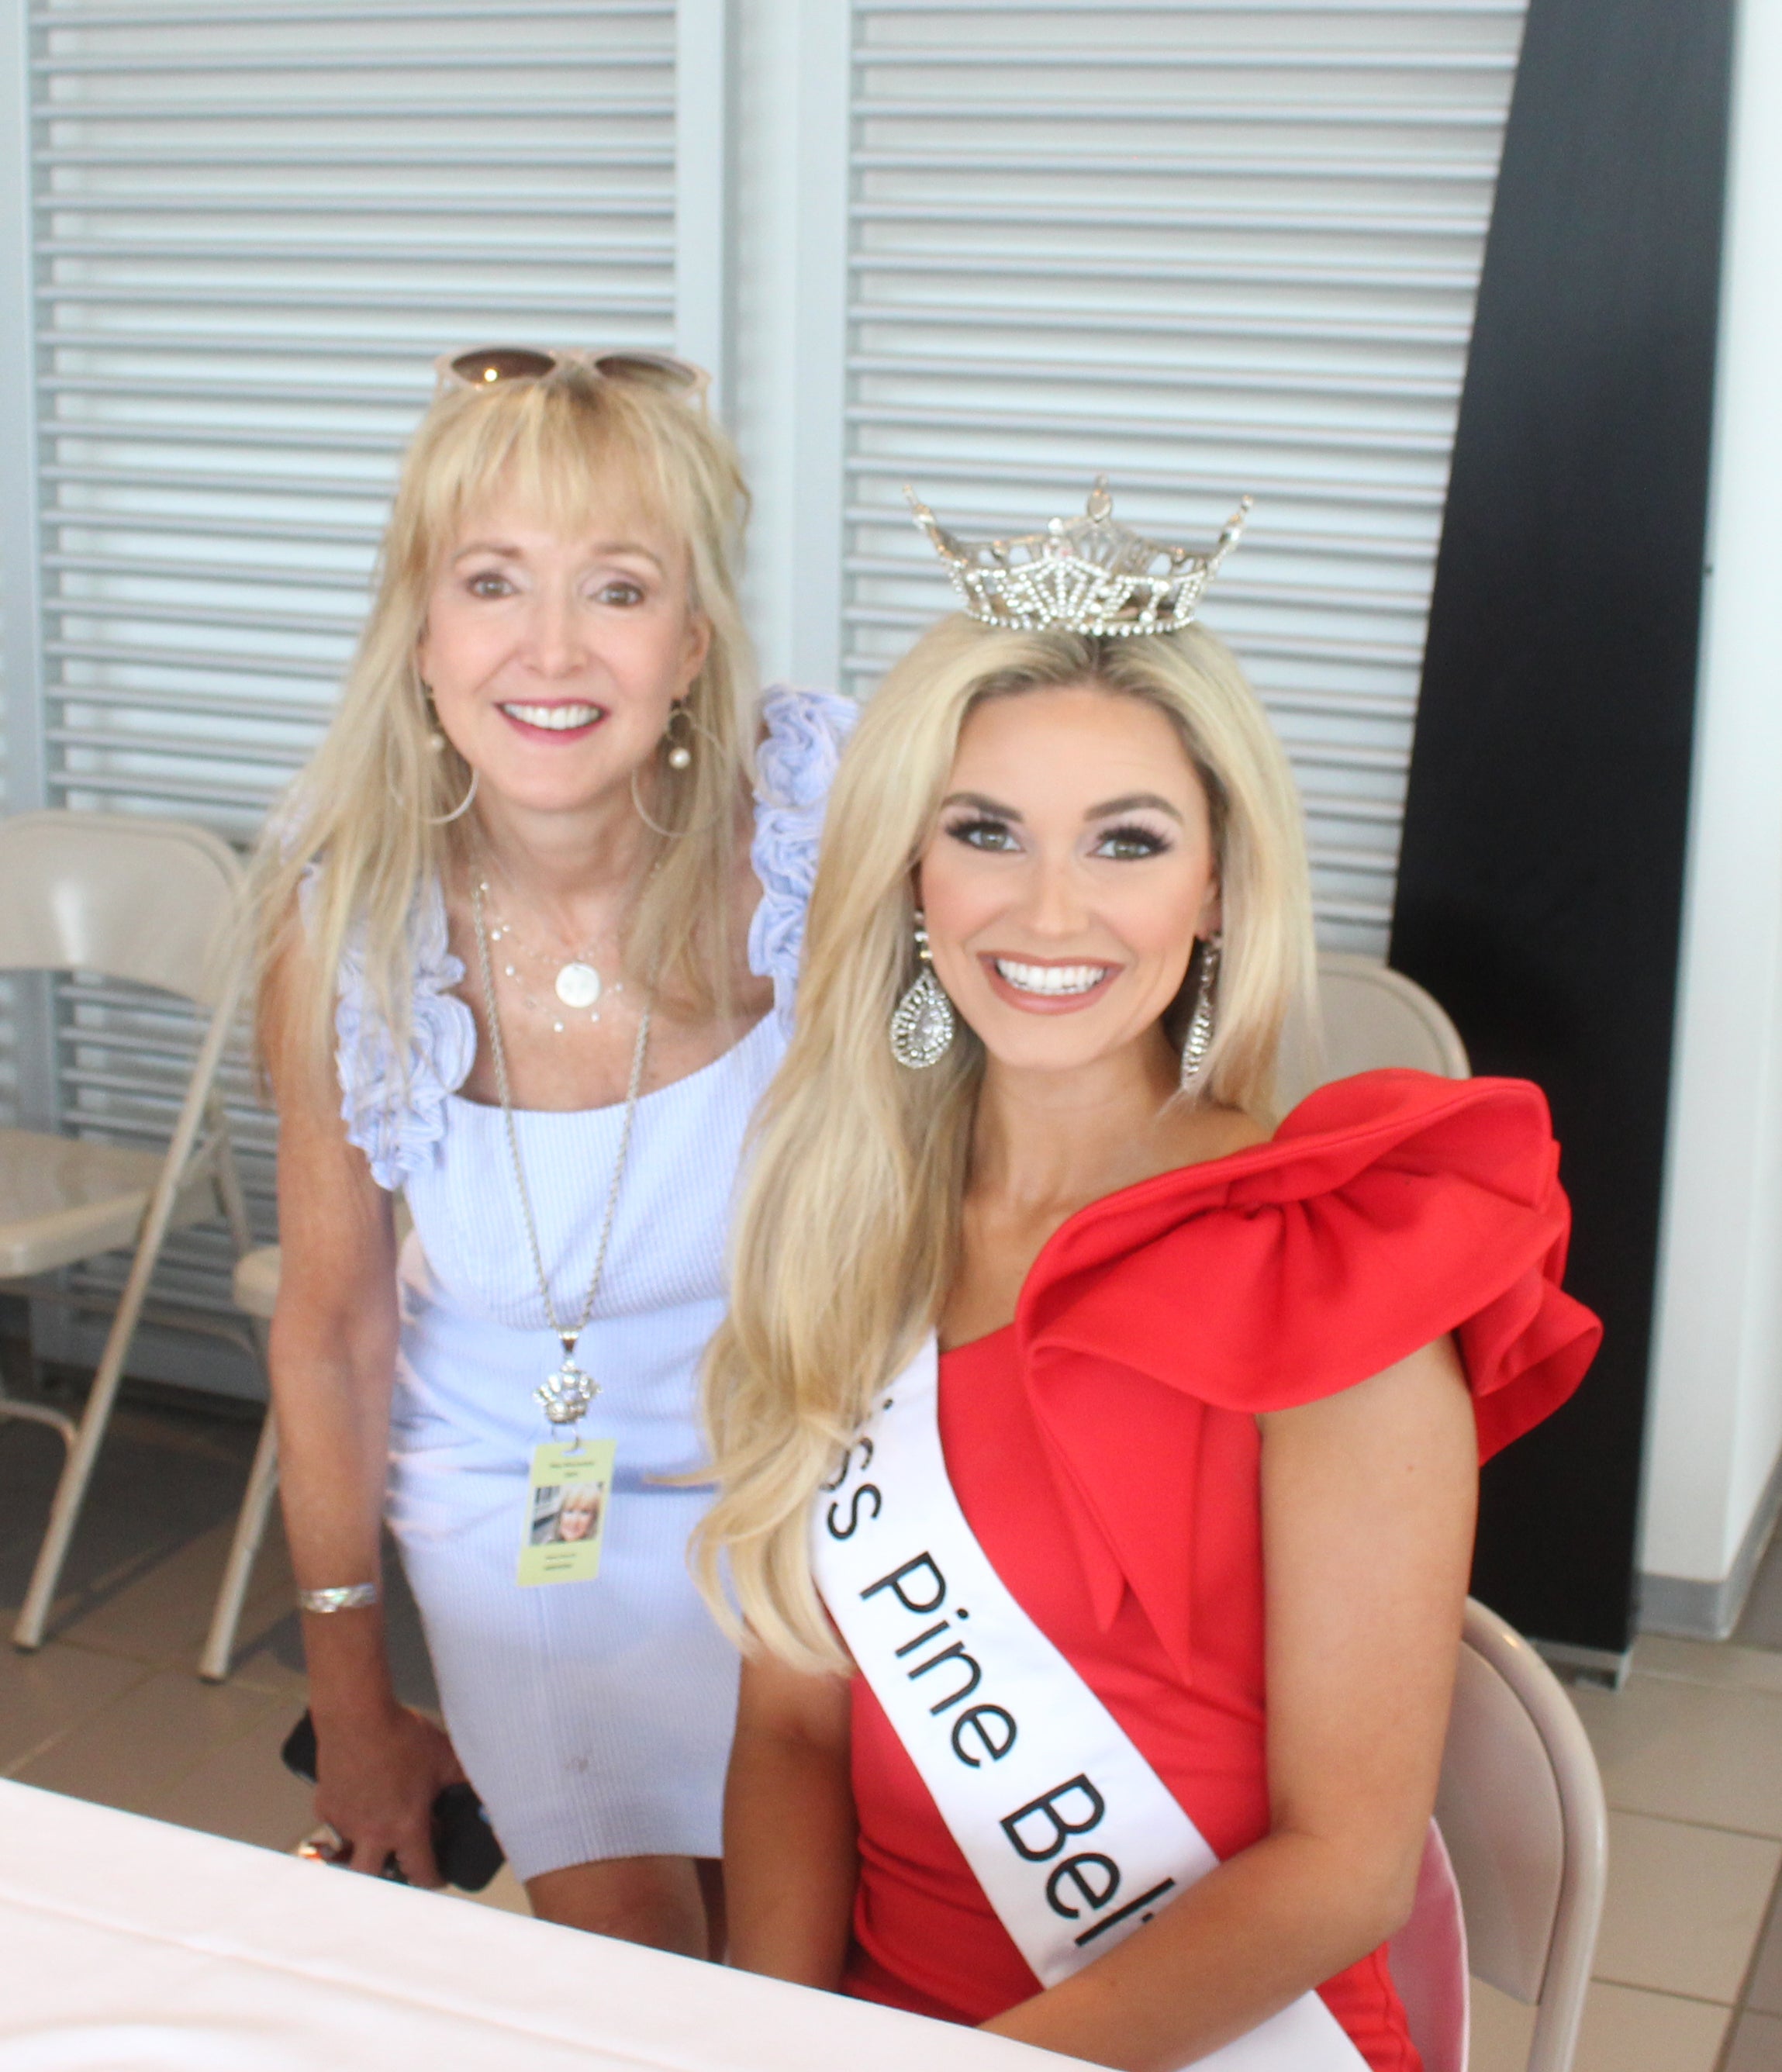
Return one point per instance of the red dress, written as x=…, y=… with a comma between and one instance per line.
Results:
x=1104, y=1450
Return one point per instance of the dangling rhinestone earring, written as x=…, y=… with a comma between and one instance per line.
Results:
x=922, y=1028
x=1199, y=1039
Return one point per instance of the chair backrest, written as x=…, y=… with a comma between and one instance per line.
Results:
x=1368, y=1017
x=144, y=900
x=1521, y=1808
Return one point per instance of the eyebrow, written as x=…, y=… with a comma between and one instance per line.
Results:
x=508, y=552
x=982, y=803
x=1132, y=803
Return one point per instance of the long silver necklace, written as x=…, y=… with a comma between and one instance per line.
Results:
x=565, y=1394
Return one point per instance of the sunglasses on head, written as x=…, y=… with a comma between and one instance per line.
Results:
x=487, y=366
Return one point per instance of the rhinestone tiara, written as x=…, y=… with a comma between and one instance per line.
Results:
x=1091, y=574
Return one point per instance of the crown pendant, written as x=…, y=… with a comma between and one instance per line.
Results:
x=1091, y=575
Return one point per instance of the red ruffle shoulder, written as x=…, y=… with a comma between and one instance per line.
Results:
x=1387, y=1210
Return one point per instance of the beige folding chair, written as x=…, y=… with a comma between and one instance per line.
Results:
x=150, y=902
x=256, y=1292
x=1369, y=1018
x=1521, y=1808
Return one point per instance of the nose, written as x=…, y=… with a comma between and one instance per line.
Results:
x=1056, y=908
x=553, y=643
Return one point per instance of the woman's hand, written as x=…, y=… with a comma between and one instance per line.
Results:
x=375, y=1782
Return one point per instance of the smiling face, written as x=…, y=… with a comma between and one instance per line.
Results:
x=580, y=1514
x=555, y=658
x=1069, y=874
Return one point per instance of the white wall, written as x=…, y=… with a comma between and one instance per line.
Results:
x=789, y=339
x=1716, y=1419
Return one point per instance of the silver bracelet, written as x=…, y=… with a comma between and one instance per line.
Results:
x=343, y=1597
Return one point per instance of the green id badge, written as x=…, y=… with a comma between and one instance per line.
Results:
x=566, y=1497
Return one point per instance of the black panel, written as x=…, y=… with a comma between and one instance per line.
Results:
x=1540, y=890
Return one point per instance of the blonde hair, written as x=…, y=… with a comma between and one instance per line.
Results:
x=846, y=1238
x=367, y=813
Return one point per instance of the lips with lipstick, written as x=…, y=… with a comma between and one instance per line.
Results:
x=1051, y=978
x=567, y=719
x=1053, y=988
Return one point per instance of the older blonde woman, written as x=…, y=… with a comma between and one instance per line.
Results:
x=1096, y=1469
x=531, y=923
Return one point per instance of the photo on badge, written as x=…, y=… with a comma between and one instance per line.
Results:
x=565, y=1520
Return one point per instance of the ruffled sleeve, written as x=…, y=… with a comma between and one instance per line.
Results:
x=1389, y=1209
x=796, y=765
x=394, y=1106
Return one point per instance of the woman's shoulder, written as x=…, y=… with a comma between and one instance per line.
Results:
x=803, y=733
x=1386, y=1211
x=1401, y=1121
x=393, y=1092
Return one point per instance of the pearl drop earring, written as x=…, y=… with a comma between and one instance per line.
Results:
x=680, y=754
x=436, y=734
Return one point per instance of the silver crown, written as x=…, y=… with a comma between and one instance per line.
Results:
x=1091, y=574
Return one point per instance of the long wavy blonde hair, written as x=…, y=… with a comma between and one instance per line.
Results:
x=367, y=811
x=847, y=1235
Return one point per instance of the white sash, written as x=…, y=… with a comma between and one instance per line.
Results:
x=1074, y=1838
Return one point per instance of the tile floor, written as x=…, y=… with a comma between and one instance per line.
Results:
x=1689, y=1972
x=111, y=1707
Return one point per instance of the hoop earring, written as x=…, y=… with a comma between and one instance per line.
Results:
x=679, y=758
x=655, y=827
x=463, y=807
x=1199, y=1039
x=922, y=1028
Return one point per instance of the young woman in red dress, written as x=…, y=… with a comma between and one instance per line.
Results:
x=1212, y=1391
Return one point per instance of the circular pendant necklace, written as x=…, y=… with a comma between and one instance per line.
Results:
x=565, y=1394
x=576, y=982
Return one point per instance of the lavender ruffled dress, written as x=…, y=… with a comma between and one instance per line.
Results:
x=594, y=1718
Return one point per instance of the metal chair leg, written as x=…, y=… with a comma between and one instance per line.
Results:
x=71, y=1490
x=77, y=1469
x=59, y=1421
x=38, y=1413
x=250, y=1529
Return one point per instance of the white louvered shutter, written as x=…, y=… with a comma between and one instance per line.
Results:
x=1209, y=248
x=256, y=223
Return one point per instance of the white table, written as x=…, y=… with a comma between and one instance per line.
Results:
x=129, y=1946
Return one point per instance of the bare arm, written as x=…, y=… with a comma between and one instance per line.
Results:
x=333, y=1355
x=1368, y=1508
x=789, y=1859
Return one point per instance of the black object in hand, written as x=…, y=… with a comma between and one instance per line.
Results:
x=463, y=1842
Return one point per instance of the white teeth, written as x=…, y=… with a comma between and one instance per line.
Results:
x=1051, y=978
x=558, y=719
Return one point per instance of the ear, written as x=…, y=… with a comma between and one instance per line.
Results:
x=1211, y=920
x=699, y=647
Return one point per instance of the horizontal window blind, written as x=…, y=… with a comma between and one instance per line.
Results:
x=255, y=224
x=1209, y=248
